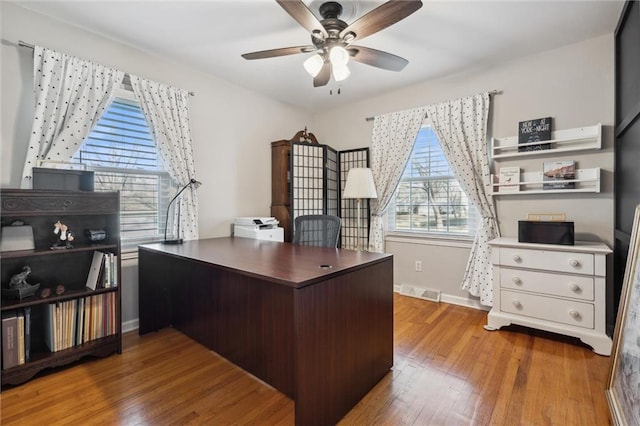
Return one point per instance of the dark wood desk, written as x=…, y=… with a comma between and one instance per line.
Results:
x=315, y=323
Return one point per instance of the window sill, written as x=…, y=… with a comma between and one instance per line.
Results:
x=430, y=239
x=129, y=254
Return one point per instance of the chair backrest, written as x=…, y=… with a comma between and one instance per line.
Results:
x=317, y=230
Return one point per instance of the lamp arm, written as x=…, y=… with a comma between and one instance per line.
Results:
x=166, y=222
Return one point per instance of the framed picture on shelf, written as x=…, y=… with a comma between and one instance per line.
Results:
x=623, y=392
x=509, y=179
x=530, y=131
x=556, y=173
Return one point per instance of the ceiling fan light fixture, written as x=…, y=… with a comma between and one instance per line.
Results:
x=332, y=35
x=314, y=64
x=340, y=71
x=338, y=55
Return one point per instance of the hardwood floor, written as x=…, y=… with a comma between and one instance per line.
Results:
x=447, y=370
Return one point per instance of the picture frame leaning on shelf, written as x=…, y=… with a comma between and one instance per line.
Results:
x=623, y=391
x=534, y=131
x=509, y=179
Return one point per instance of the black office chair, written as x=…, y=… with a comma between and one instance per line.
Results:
x=318, y=230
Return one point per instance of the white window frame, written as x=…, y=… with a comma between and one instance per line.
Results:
x=413, y=235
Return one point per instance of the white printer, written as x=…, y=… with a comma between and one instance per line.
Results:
x=258, y=228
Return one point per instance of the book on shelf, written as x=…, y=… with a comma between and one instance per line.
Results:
x=509, y=179
x=27, y=334
x=57, y=326
x=103, y=271
x=20, y=325
x=49, y=334
x=80, y=321
x=94, y=271
x=115, y=270
x=107, y=270
x=537, y=130
x=9, y=340
x=556, y=173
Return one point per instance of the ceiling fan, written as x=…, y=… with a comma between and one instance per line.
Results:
x=331, y=38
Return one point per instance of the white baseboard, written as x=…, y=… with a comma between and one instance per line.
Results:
x=463, y=301
x=455, y=300
x=130, y=325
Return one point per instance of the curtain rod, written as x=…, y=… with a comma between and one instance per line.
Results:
x=492, y=92
x=31, y=46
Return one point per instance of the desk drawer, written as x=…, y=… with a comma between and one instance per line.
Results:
x=574, y=286
x=579, y=314
x=557, y=261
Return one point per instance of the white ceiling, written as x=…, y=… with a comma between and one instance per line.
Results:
x=442, y=38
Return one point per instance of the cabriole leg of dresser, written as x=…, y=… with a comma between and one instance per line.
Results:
x=495, y=320
x=600, y=343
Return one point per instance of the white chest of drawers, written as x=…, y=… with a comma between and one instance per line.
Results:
x=556, y=288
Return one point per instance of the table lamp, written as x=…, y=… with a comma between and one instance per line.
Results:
x=359, y=185
x=177, y=240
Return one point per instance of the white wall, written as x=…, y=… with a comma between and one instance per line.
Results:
x=231, y=127
x=573, y=84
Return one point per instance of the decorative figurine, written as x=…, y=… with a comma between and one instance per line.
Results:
x=64, y=236
x=19, y=288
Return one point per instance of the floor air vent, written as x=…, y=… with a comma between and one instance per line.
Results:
x=420, y=293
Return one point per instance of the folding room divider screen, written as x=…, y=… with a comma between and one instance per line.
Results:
x=315, y=179
x=350, y=159
x=318, y=174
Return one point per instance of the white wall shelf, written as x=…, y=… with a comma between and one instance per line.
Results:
x=579, y=139
x=587, y=180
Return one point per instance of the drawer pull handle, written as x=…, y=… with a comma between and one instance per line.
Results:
x=575, y=314
x=574, y=287
x=516, y=258
x=516, y=280
x=574, y=262
x=517, y=304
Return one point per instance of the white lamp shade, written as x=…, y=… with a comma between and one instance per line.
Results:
x=313, y=65
x=338, y=55
x=340, y=71
x=360, y=184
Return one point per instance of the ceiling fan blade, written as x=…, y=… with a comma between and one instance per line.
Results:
x=323, y=76
x=377, y=58
x=381, y=17
x=278, y=52
x=301, y=13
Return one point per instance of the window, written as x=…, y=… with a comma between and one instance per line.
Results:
x=121, y=152
x=429, y=199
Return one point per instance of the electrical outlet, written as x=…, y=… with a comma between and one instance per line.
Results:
x=418, y=265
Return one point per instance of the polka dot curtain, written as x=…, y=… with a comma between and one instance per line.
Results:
x=71, y=94
x=166, y=109
x=392, y=139
x=461, y=126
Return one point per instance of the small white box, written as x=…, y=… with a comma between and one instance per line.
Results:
x=269, y=234
x=17, y=238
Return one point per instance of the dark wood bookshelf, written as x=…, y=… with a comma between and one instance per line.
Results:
x=79, y=210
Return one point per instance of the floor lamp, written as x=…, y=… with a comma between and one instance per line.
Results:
x=177, y=240
x=359, y=185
